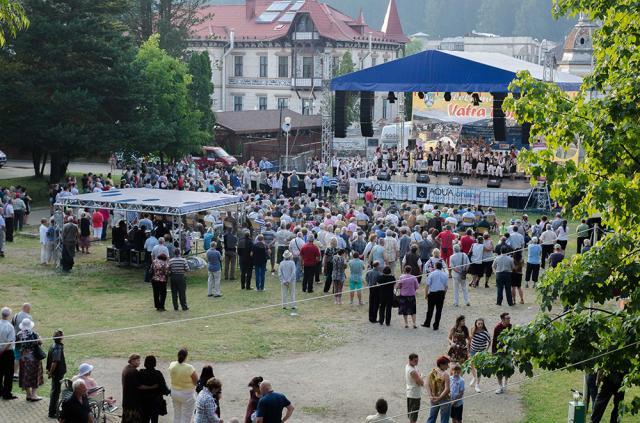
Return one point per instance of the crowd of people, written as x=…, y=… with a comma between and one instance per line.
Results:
x=309, y=233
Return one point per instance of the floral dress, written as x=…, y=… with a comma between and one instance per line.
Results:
x=30, y=372
x=458, y=352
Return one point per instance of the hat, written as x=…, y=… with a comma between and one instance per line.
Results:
x=84, y=369
x=287, y=254
x=26, y=324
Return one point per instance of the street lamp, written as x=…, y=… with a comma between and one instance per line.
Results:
x=286, y=127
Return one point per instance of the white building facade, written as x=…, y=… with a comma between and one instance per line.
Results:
x=270, y=54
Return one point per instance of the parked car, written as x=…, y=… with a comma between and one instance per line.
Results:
x=210, y=155
x=3, y=158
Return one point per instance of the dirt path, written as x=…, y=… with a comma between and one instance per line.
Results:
x=343, y=384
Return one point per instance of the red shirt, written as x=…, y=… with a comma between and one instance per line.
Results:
x=97, y=219
x=105, y=215
x=446, y=238
x=310, y=254
x=368, y=197
x=465, y=243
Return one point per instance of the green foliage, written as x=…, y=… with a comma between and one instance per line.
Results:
x=346, y=66
x=412, y=47
x=201, y=89
x=67, y=86
x=604, y=118
x=12, y=19
x=171, y=123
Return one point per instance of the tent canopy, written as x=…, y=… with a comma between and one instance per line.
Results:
x=156, y=201
x=447, y=71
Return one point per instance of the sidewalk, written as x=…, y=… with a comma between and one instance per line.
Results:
x=21, y=410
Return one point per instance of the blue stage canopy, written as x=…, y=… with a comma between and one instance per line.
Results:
x=447, y=71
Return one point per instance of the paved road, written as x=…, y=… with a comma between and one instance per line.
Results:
x=21, y=168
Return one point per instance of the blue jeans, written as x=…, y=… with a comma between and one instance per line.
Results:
x=260, y=271
x=445, y=412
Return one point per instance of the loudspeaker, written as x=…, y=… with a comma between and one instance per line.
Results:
x=514, y=202
x=422, y=178
x=408, y=106
x=494, y=183
x=526, y=130
x=340, y=115
x=384, y=176
x=366, y=113
x=499, y=120
x=455, y=180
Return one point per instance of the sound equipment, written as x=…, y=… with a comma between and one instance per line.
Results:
x=137, y=258
x=384, y=176
x=422, y=178
x=494, y=183
x=408, y=106
x=455, y=180
x=499, y=119
x=526, y=130
x=340, y=115
x=516, y=202
x=366, y=113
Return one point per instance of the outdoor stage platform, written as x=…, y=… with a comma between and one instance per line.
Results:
x=473, y=191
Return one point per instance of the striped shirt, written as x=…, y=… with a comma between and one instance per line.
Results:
x=178, y=266
x=480, y=341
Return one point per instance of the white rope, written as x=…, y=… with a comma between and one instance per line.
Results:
x=229, y=313
x=568, y=366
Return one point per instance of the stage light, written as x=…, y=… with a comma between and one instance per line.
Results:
x=421, y=95
x=469, y=92
x=447, y=96
x=476, y=99
x=392, y=97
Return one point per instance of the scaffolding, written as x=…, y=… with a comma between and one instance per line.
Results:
x=326, y=107
x=539, y=199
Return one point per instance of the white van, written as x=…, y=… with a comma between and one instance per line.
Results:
x=391, y=135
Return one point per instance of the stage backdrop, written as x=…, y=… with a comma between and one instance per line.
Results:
x=440, y=194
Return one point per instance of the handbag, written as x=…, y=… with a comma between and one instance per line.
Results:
x=162, y=407
x=395, y=302
x=39, y=353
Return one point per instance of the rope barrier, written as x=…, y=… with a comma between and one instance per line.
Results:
x=230, y=313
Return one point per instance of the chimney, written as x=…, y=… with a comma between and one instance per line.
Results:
x=250, y=6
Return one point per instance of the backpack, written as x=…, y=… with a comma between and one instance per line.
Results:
x=50, y=233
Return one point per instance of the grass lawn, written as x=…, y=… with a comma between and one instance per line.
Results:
x=546, y=399
x=98, y=295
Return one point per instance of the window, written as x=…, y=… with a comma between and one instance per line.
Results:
x=373, y=61
x=237, y=65
x=307, y=107
x=262, y=102
x=283, y=103
x=283, y=66
x=385, y=102
x=237, y=103
x=307, y=67
x=263, y=66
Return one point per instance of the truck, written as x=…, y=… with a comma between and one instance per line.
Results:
x=391, y=136
x=210, y=155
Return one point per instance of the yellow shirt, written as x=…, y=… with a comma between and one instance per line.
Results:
x=181, y=376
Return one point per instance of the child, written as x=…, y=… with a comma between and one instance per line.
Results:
x=356, y=267
x=456, y=385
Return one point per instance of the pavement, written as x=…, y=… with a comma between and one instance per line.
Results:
x=22, y=168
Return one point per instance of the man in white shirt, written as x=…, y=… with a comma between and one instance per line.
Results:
x=7, y=339
x=44, y=244
x=414, y=384
x=160, y=249
x=381, y=415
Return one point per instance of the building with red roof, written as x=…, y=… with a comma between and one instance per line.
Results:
x=269, y=54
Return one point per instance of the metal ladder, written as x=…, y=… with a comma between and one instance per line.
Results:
x=539, y=198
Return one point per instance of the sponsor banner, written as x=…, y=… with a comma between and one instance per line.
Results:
x=440, y=194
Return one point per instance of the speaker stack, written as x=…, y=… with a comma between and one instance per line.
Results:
x=499, y=121
x=340, y=115
x=366, y=113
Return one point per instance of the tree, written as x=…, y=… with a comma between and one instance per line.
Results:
x=201, y=89
x=71, y=94
x=496, y=17
x=352, y=108
x=171, y=123
x=171, y=19
x=412, y=47
x=12, y=19
x=604, y=118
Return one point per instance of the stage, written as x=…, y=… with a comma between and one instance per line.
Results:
x=473, y=191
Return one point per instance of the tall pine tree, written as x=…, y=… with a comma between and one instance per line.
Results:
x=201, y=89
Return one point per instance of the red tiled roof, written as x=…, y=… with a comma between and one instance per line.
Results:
x=391, y=25
x=329, y=22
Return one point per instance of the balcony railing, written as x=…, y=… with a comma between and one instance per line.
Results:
x=306, y=82
x=260, y=82
x=305, y=36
